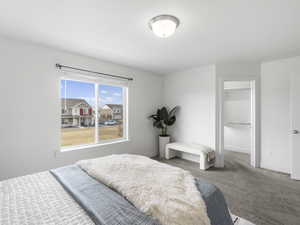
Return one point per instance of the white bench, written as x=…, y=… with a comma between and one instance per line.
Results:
x=207, y=155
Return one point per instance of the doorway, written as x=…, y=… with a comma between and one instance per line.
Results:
x=237, y=126
x=237, y=121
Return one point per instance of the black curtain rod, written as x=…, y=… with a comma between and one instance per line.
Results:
x=60, y=66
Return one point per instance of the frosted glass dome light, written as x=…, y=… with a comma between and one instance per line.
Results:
x=164, y=25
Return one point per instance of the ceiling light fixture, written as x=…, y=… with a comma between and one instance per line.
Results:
x=164, y=25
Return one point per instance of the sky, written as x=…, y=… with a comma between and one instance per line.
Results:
x=107, y=94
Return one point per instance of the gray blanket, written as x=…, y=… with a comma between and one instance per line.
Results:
x=217, y=209
x=107, y=207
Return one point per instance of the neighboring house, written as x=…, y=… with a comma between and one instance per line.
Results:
x=76, y=113
x=111, y=112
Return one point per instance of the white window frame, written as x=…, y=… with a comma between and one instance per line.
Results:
x=99, y=81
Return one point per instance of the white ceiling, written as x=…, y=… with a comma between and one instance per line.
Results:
x=211, y=31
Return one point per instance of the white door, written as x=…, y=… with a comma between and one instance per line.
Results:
x=295, y=125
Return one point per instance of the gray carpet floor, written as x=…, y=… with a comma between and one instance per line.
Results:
x=258, y=195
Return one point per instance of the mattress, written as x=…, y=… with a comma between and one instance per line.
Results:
x=57, y=198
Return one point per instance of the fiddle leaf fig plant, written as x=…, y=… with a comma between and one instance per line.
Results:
x=164, y=118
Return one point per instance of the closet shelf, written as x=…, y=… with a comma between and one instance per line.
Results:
x=237, y=89
x=242, y=124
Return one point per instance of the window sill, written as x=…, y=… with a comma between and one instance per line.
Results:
x=89, y=146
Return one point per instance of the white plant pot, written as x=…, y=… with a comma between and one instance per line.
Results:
x=162, y=145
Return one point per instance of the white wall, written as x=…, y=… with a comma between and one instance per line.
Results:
x=237, y=106
x=238, y=71
x=275, y=114
x=237, y=109
x=237, y=139
x=30, y=109
x=194, y=92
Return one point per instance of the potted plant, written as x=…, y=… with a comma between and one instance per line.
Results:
x=161, y=120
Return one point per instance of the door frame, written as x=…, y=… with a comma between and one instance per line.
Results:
x=293, y=173
x=255, y=122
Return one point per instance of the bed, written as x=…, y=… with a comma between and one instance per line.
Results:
x=69, y=195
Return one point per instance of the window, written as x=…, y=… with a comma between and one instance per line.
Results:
x=92, y=113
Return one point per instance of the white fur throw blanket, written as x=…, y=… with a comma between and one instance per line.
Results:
x=166, y=193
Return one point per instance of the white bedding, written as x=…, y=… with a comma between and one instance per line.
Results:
x=164, y=192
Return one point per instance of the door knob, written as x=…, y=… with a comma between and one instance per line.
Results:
x=295, y=131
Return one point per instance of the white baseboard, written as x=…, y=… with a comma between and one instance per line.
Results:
x=274, y=169
x=237, y=149
x=295, y=177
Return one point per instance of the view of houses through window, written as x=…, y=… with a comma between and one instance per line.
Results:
x=87, y=118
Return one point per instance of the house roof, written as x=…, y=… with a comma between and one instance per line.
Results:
x=113, y=106
x=71, y=102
